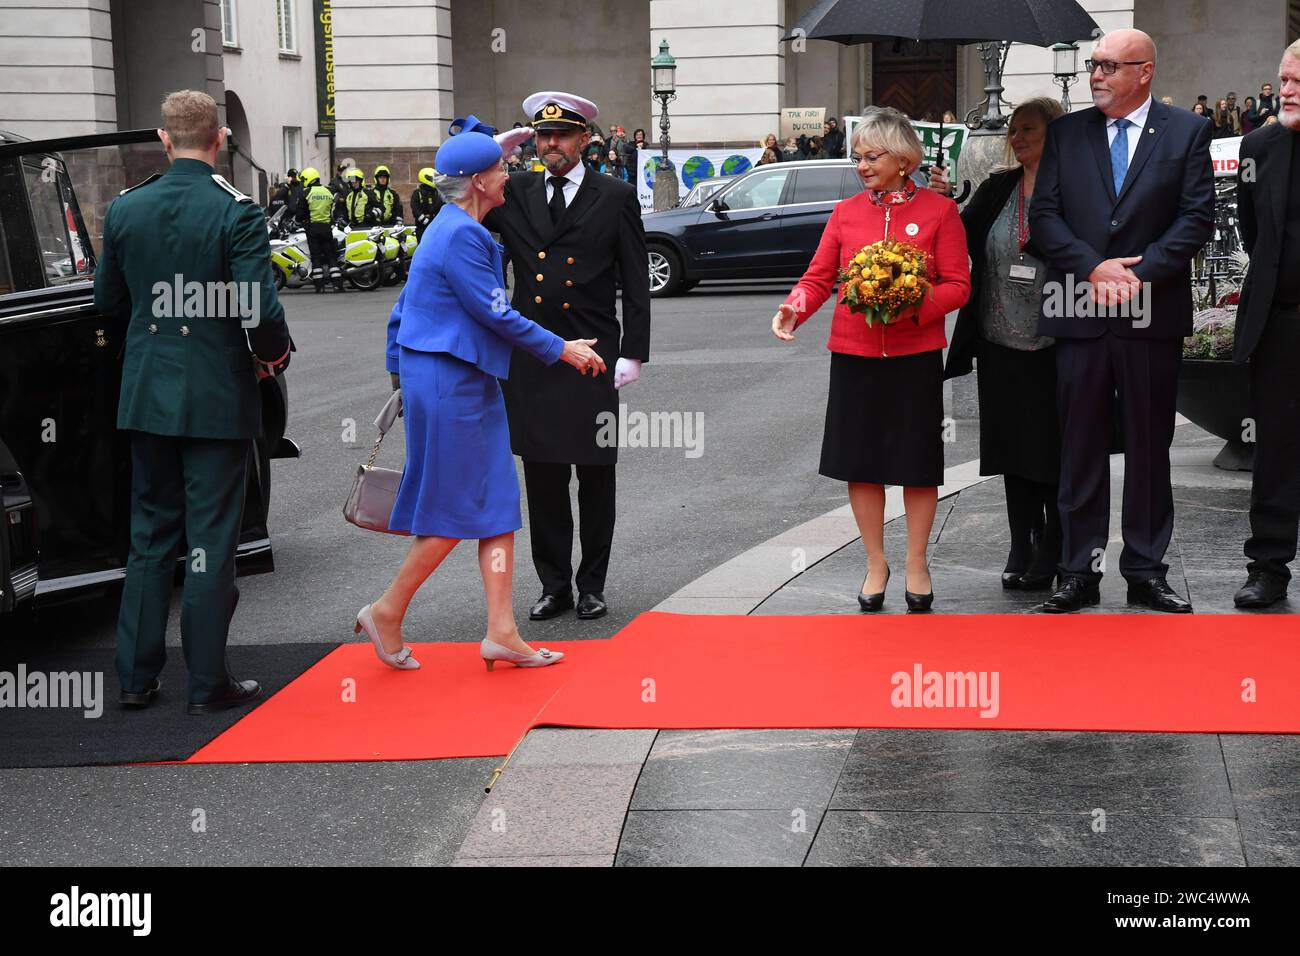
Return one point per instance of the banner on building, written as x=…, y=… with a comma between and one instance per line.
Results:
x=954, y=138
x=690, y=166
x=802, y=121
x=323, y=19
x=1225, y=154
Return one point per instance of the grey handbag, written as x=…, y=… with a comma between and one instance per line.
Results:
x=370, y=505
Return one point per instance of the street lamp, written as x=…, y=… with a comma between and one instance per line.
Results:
x=1065, y=69
x=994, y=55
x=663, y=73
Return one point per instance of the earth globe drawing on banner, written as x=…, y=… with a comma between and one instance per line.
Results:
x=695, y=169
x=735, y=165
x=653, y=165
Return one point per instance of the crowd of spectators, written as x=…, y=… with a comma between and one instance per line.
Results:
x=1231, y=119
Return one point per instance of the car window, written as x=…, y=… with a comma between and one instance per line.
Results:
x=756, y=192
x=6, y=283
x=818, y=184
x=64, y=255
x=852, y=183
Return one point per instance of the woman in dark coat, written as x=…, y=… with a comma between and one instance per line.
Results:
x=1015, y=367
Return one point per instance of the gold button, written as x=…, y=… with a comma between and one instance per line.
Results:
x=185, y=330
x=569, y=283
x=540, y=277
x=153, y=329
x=566, y=305
x=537, y=299
x=570, y=260
x=541, y=255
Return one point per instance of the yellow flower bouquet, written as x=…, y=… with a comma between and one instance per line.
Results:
x=884, y=280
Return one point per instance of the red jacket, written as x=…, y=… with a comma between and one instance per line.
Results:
x=858, y=222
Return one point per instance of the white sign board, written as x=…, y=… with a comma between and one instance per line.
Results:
x=1224, y=155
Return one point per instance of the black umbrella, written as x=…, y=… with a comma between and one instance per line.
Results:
x=1037, y=22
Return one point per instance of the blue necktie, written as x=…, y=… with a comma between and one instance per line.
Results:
x=1119, y=154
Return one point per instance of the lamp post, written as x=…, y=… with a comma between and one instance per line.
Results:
x=1065, y=69
x=663, y=74
x=994, y=55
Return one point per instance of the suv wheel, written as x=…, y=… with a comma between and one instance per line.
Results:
x=665, y=272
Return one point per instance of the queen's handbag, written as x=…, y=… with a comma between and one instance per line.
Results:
x=370, y=505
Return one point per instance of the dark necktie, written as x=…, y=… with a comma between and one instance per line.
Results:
x=557, y=197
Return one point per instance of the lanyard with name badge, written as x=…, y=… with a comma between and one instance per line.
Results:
x=1020, y=272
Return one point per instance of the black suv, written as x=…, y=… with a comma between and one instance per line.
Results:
x=766, y=224
x=65, y=469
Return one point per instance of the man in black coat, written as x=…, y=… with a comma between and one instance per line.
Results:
x=571, y=236
x=1124, y=199
x=1268, y=334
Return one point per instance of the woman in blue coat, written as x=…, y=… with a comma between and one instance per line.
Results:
x=449, y=340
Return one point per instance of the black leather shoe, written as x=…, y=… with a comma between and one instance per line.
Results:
x=1011, y=580
x=1074, y=594
x=550, y=605
x=591, y=605
x=919, y=603
x=1036, y=581
x=874, y=602
x=1261, y=590
x=238, y=693
x=137, y=699
x=1156, y=594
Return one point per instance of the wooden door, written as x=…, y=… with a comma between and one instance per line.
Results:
x=918, y=78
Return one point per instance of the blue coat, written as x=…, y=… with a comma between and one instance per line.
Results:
x=455, y=301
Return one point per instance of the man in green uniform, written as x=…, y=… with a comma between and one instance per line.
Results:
x=200, y=295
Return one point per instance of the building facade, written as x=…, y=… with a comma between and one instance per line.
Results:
x=403, y=69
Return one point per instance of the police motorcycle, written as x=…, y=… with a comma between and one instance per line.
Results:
x=290, y=255
x=393, y=252
x=364, y=264
x=404, y=236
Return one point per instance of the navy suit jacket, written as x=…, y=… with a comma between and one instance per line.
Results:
x=1164, y=213
x=455, y=301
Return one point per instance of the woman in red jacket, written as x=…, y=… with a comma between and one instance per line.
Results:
x=884, y=413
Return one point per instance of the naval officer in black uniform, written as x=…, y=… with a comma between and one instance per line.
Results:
x=571, y=235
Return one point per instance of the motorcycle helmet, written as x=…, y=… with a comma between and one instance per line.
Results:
x=291, y=175
x=309, y=176
x=382, y=171
x=356, y=174
x=426, y=176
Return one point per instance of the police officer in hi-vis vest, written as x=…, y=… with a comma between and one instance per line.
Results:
x=573, y=238
x=425, y=202
x=387, y=203
x=358, y=203
x=190, y=399
x=319, y=204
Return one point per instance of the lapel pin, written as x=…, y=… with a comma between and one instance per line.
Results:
x=912, y=229
x=1151, y=129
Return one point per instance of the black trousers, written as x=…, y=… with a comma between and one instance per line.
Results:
x=324, y=251
x=190, y=488
x=1091, y=376
x=1275, y=484
x=550, y=524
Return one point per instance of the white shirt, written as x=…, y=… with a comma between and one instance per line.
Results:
x=1139, y=120
x=572, y=180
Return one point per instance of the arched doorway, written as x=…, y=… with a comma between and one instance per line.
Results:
x=247, y=176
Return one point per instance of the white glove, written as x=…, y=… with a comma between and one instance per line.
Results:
x=626, y=371
x=512, y=139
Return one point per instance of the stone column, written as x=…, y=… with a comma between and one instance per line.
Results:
x=393, y=69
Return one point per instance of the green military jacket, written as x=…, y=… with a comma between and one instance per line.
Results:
x=188, y=257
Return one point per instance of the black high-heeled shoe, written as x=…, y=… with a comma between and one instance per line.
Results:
x=874, y=602
x=920, y=603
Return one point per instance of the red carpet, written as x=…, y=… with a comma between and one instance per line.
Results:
x=1192, y=673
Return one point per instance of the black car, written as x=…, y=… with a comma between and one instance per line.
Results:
x=766, y=224
x=65, y=469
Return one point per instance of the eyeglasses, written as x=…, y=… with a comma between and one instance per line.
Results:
x=1110, y=66
x=869, y=158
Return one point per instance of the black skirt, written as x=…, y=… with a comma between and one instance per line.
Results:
x=1020, y=433
x=884, y=420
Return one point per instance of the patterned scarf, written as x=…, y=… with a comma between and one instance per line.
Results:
x=894, y=197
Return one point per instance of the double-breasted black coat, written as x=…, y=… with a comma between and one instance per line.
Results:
x=566, y=279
